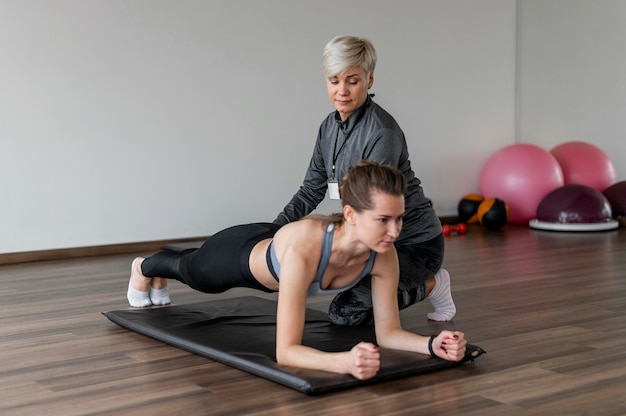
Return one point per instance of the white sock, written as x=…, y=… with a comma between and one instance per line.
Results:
x=160, y=296
x=137, y=298
x=441, y=298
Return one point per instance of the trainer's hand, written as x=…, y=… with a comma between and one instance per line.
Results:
x=450, y=345
x=363, y=360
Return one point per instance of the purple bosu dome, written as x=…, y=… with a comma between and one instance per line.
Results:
x=574, y=208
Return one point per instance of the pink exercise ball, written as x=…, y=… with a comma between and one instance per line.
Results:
x=585, y=164
x=521, y=175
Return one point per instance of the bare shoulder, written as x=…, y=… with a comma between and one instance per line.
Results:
x=300, y=235
x=386, y=263
x=305, y=224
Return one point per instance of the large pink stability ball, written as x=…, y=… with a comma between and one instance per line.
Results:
x=585, y=164
x=521, y=175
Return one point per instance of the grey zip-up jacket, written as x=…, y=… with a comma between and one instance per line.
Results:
x=369, y=133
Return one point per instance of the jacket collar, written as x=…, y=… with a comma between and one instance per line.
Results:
x=355, y=117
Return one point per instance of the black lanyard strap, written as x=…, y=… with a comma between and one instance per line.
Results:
x=345, y=136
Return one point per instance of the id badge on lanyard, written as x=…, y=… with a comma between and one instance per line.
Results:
x=333, y=185
x=333, y=188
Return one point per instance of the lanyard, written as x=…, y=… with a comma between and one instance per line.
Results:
x=345, y=139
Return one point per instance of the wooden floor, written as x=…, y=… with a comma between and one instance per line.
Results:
x=550, y=309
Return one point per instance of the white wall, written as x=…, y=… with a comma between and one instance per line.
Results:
x=573, y=74
x=125, y=121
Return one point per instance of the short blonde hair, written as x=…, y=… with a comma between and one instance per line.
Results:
x=343, y=52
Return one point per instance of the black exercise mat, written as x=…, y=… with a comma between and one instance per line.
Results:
x=241, y=332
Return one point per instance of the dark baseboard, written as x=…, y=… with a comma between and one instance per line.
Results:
x=77, y=252
x=128, y=248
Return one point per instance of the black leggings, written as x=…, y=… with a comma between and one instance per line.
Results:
x=221, y=263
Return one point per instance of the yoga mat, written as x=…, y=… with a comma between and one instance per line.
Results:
x=241, y=333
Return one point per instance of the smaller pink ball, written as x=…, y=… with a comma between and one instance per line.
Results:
x=585, y=164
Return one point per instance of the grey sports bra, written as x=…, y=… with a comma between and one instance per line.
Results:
x=327, y=244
